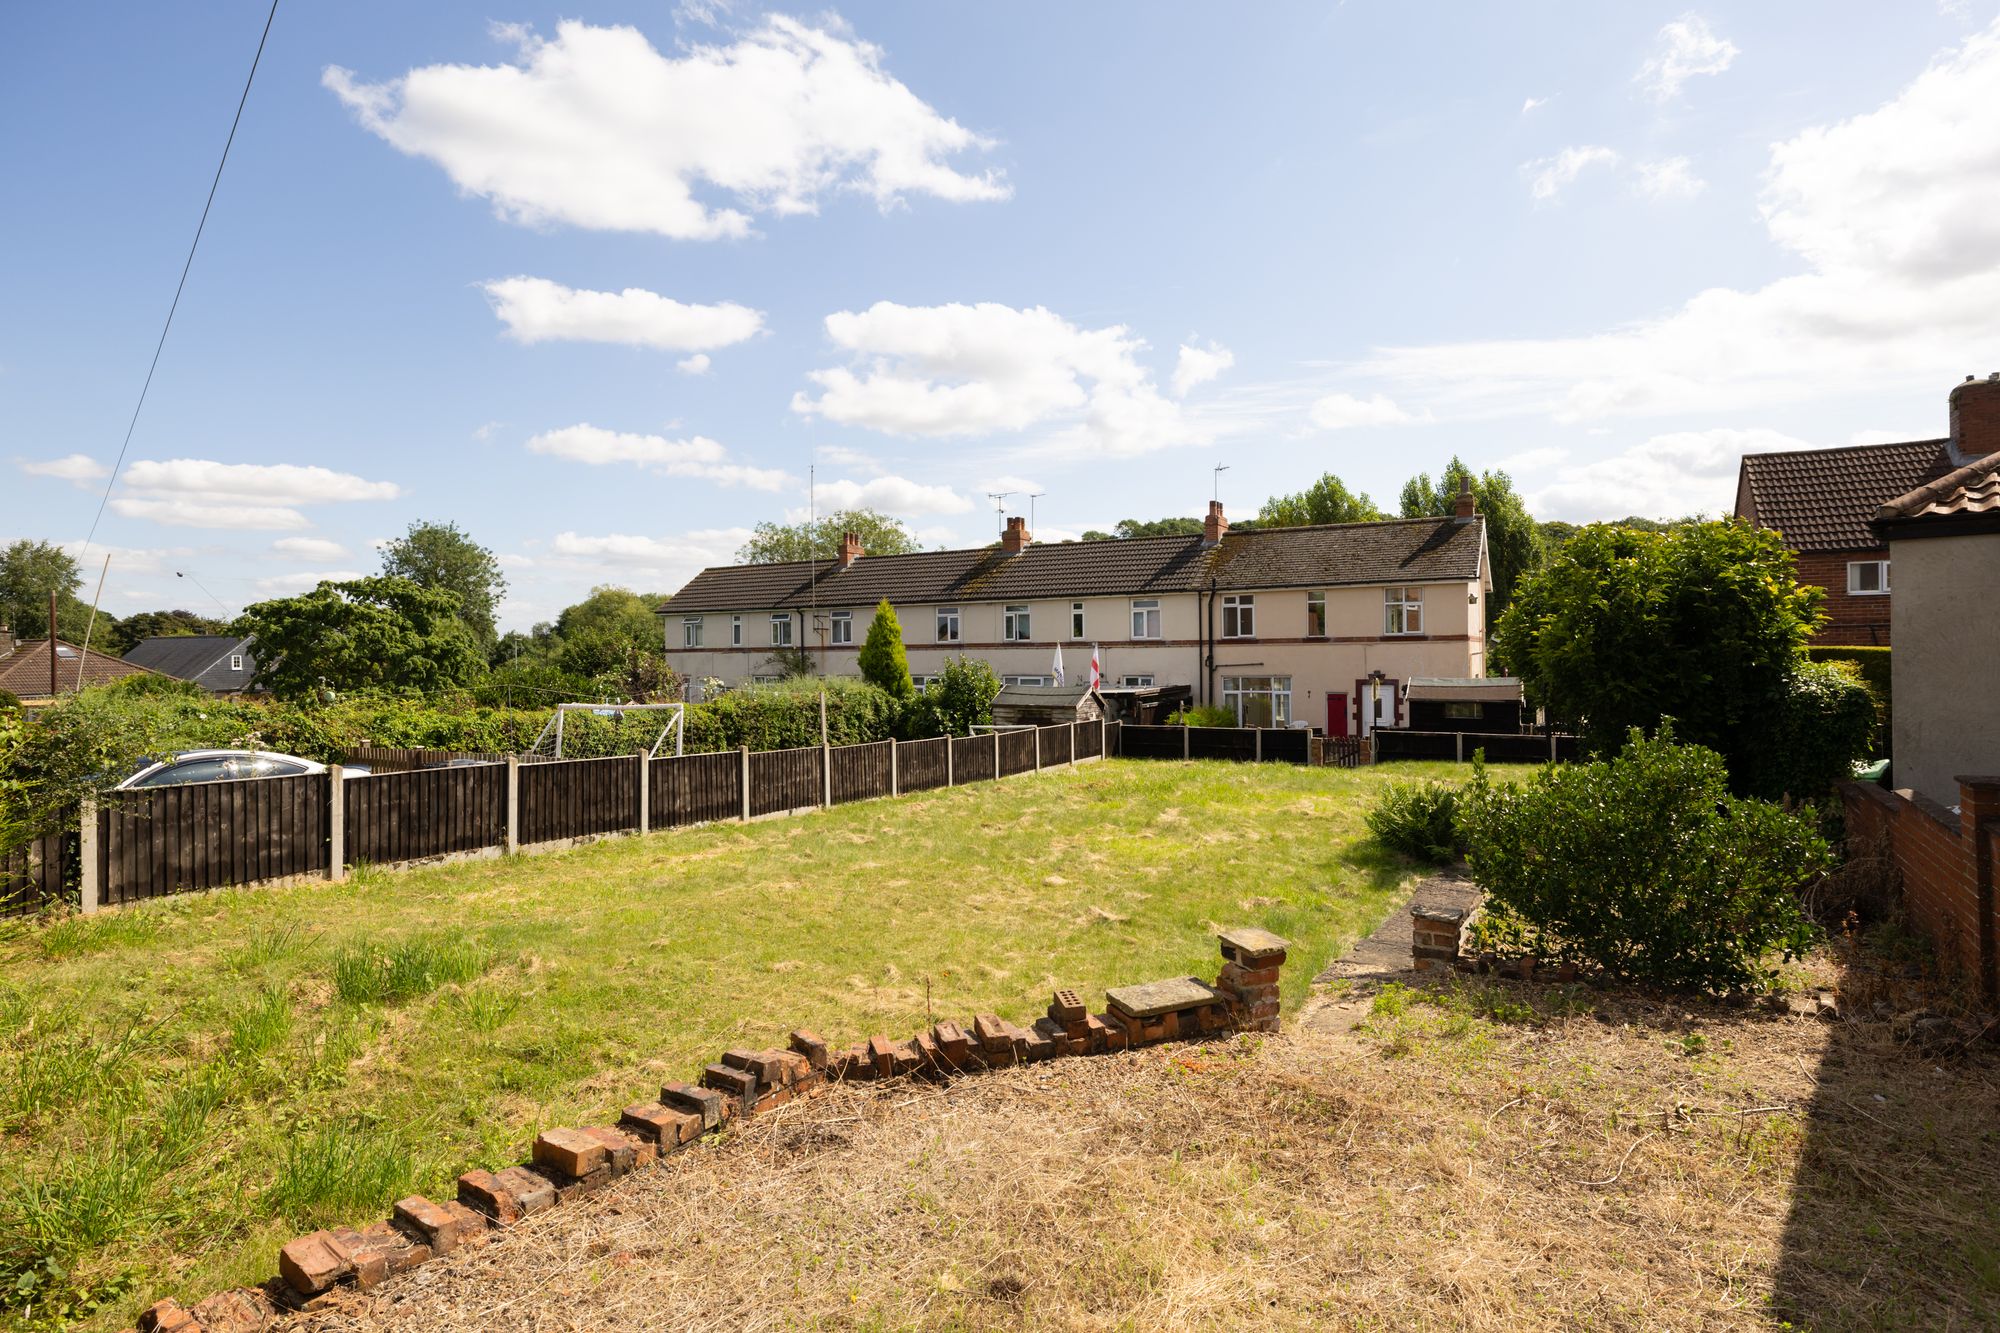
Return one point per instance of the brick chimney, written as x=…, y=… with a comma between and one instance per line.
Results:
x=1975, y=419
x=1215, y=526
x=6, y=640
x=1015, y=539
x=850, y=550
x=1465, y=506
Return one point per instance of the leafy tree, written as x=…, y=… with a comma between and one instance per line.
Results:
x=382, y=632
x=128, y=632
x=776, y=543
x=604, y=634
x=1127, y=528
x=1513, y=539
x=440, y=556
x=1705, y=625
x=29, y=571
x=883, y=661
x=958, y=698
x=1555, y=531
x=1325, y=501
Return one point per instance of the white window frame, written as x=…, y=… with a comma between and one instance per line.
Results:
x=1316, y=610
x=1076, y=621
x=1854, y=568
x=948, y=628
x=736, y=631
x=236, y=661
x=1024, y=680
x=843, y=627
x=1403, y=612
x=1141, y=682
x=921, y=682
x=1239, y=615
x=781, y=639
x=1147, y=616
x=1278, y=689
x=1016, y=624
x=691, y=631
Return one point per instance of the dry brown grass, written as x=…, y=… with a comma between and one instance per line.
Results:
x=1476, y=1155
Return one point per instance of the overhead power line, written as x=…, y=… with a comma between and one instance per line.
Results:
x=160, y=346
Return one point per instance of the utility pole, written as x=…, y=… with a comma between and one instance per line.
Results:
x=52, y=647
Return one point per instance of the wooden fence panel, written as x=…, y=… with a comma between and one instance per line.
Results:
x=784, y=780
x=410, y=815
x=1236, y=743
x=1287, y=745
x=1054, y=743
x=208, y=835
x=576, y=798
x=37, y=874
x=1137, y=742
x=971, y=759
x=1090, y=737
x=860, y=771
x=406, y=759
x=696, y=789
x=920, y=764
x=1017, y=752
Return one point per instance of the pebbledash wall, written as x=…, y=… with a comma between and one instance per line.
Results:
x=1948, y=862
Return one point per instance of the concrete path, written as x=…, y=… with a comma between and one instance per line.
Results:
x=1384, y=955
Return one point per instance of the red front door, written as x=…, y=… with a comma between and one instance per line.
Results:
x=1336, y=715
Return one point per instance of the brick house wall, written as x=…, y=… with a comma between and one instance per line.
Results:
x=1948, y=864
x=1853, y=620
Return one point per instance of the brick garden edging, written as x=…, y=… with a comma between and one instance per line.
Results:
x=318, y=1269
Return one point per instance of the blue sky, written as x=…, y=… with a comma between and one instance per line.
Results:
x=600, y=284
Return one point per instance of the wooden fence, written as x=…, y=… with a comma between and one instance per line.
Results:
x=204, y=835
x=39, y=873
x=1500, y=747
x=405, y=759
x=1269, y=745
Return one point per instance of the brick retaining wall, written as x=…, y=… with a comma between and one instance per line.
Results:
x=1948, y=863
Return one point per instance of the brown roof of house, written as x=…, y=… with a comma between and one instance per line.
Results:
x=1417, y=550
x=1823, y=499
x=24, y=673
x=1968, y=493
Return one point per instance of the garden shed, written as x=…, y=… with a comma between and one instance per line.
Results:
x=1046, y=705
x=1480, y=704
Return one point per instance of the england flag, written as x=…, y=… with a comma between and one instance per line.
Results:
x=1096, y=671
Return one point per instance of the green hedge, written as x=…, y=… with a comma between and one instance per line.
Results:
x=1873, y=666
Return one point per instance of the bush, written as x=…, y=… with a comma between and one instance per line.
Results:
x=1201, y=715
x=1872, y=664
x=1420, y=820
x=957, y=699
x=883, y=662
x=1822, y=724
x=153, y=684
x=1644, y=866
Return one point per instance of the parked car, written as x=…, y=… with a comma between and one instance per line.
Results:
x=187, y=766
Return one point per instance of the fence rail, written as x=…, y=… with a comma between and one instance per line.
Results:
x=148, y=844
x=1269, y=745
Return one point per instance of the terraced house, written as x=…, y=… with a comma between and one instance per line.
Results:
x=1283, y=626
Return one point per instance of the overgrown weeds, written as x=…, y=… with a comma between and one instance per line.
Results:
x=367, y=974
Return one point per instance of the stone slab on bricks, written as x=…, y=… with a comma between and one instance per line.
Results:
x=1155, y=999
x=1253, y=946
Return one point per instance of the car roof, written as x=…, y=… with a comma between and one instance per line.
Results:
x=179, y=755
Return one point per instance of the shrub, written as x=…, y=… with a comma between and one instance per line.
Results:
x=1824, y=721
x=883, y=662
x=1872, y=664
x=1644, y=866
x=957, y=699
x=1201, y=715
x=1420, y=820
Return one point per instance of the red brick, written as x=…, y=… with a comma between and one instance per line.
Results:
x=313, y=1263
x=570, y=1151
x=239, y=1310
x=621, y=1150
x=990, y=1032
x=812, y=1046
x=534, y=1191
x=428, y=1222
x=706, y=1103
x=1066, y=1007
x=731, y=1082
x=167, y=1317
x=951, y=1040
x=882, y=1054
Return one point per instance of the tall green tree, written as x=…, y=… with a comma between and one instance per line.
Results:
x=129, y=631
x=1704, y=625
x=777, y=543
x=1325, y=501
x=883, y=661
x=441, y=556
x=1513, y=539
x=1180, y=525
x=29, y=571
x=369, y=633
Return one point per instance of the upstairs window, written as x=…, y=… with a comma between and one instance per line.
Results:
x=1315, y=615
x=843, y=627
x=236, y=661
x=1402, y=610
x=1024, y=680
x=1239, y=616
x=736, y=631
x=947, y=621
x=691, y=632
x=1076, y=620
x=1016, y=624
x=1146, y=618
x=1868, y=578
x=1137, y=682
x=781, y=631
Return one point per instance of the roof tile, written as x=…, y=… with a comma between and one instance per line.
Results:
x=1823, y=499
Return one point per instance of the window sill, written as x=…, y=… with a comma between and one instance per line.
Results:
x=1851, y=592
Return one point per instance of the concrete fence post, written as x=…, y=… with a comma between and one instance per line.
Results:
x=1038, y=747
x=825, y=776
x=1103, y=737
x=645, y=793
x=92, y=885
x=513, y=804
x=996, y=754
x=948, y=748
x=1187, y=741
x=336, y=823
x=743, y=751
x=894, y=785
x=1260, y=744
x=1072, y=744
x=1458, y=741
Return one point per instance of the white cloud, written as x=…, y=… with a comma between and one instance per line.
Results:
x=1531, y=103
x=1893, y=216
x=654, y=564
x=290, y=585
x=1889, y=436
x=1533, y=460
x=538, y=310
x=1012, y=485
x=79, y=468
x=486, y=431
x=698, y=364
x=598, y=129
x=128, y=560
x=309, y=548
x=1339, y=411
x=199, y=493
x=697, y=456
x=894, y=495
x=1547, y=176
x=1199, y=365
x=1669, y=178
x=842, y=456
x=979, y=369
x=1684, y=48
x=1668, y=476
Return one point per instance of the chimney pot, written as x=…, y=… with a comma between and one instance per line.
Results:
x=1015, y=539
x=1466, y=505
x=1215, y=526
x=1975, y=419
x=850, y=549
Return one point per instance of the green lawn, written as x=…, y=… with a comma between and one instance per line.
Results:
x=185, y=1086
